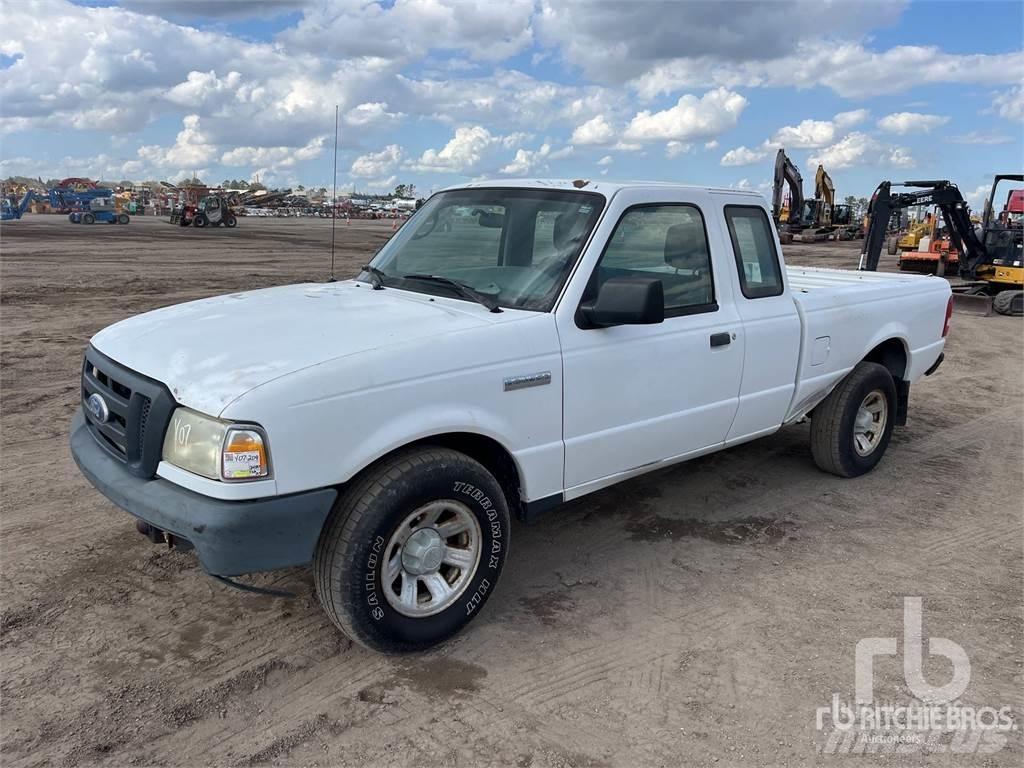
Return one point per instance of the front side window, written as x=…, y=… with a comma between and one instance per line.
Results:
x=514, y=246
x=668, y=242
x=754, y=246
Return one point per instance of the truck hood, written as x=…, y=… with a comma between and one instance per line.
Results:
x=212, y=351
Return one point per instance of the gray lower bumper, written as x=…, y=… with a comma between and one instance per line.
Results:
x=230, y=537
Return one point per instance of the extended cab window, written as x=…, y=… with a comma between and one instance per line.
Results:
x=754, y=246
x=663, y=241
x=515, y=247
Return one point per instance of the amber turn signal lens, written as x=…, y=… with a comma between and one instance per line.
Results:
x=245, y=455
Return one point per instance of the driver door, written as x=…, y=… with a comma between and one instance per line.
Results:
x=639, y=395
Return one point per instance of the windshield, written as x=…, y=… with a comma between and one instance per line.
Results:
x=515, y=246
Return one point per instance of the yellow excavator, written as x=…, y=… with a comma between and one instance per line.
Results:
x=823, y=219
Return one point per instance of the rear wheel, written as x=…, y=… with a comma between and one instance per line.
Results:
x=88, y=219
x=851, y=428
x=230, y=222
x=200, y=220
x=1009, y=303
x=413, y=550
x=122, y=218
x=892, y=245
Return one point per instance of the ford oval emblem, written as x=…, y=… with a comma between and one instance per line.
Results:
x=98, y=408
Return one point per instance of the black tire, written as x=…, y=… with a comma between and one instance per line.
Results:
x=88, y=218
x=1009, y=303
x=350, y=557
x=200, y=220
x=833, y=422
x=71, y=218
x=892, y=245
x=230, y=222
x=122, y=218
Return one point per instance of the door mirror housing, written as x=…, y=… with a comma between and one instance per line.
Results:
x=624, y=301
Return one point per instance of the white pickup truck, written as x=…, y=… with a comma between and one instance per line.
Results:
x=513, y=346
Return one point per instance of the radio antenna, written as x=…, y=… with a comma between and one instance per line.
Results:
x=334, y=196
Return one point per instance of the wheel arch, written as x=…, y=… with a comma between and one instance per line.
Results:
x=494, y=456
x=892, y=354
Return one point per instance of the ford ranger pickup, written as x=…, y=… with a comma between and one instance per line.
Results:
x=514, y=345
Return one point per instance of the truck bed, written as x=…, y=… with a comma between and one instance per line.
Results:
x=845, y=312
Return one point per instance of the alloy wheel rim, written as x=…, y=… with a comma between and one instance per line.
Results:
x=431, y=558
x=869, y=423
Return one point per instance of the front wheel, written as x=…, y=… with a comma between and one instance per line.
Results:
x=88, y=218
x=122, y=218
x=851, y=428
x=230, y=222
x=413, y=550
x=200, y=220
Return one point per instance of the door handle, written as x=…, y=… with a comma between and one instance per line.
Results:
x=720, y=339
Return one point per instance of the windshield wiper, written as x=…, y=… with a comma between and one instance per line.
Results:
x=376, y=276
x=464, y=290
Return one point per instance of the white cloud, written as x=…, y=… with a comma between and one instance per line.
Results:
x=849, y=69
x=1010, y=104
x=976, y=199
x=743, y=156
x=861, y=149
x=813, y=134
x=199, y=88
x=614, y=42
x=407, y=29
x=564, y=152
x=606, y=160
x=597, y=130
x=191, y=148
x=371, y=113
x=677, y=148
x=460, y=155
x=807, y=135
x=713, y=144
x=526, y=160
x=911, y=122
x=851, y=118
x=376, y=164
x=691, y=118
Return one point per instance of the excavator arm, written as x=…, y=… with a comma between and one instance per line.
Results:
x=786, y=173
x=825, y=191
x=950, y=203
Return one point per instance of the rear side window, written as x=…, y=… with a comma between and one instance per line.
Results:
x=754, y=247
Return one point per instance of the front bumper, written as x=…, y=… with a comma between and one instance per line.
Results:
x=230, y=537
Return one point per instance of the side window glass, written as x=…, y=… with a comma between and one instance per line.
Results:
x=756, y=258
x=664, y=241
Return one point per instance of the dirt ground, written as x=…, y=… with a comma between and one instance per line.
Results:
x=696, y=616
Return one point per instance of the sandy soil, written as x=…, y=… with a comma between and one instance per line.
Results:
x=695, y=616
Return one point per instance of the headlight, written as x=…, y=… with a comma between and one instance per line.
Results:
x=215, y=449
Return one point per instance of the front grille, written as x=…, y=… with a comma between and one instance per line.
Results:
x=139, y=410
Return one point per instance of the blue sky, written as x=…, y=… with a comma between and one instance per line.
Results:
x=434, y=93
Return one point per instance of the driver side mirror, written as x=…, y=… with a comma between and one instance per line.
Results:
x=624, y=301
